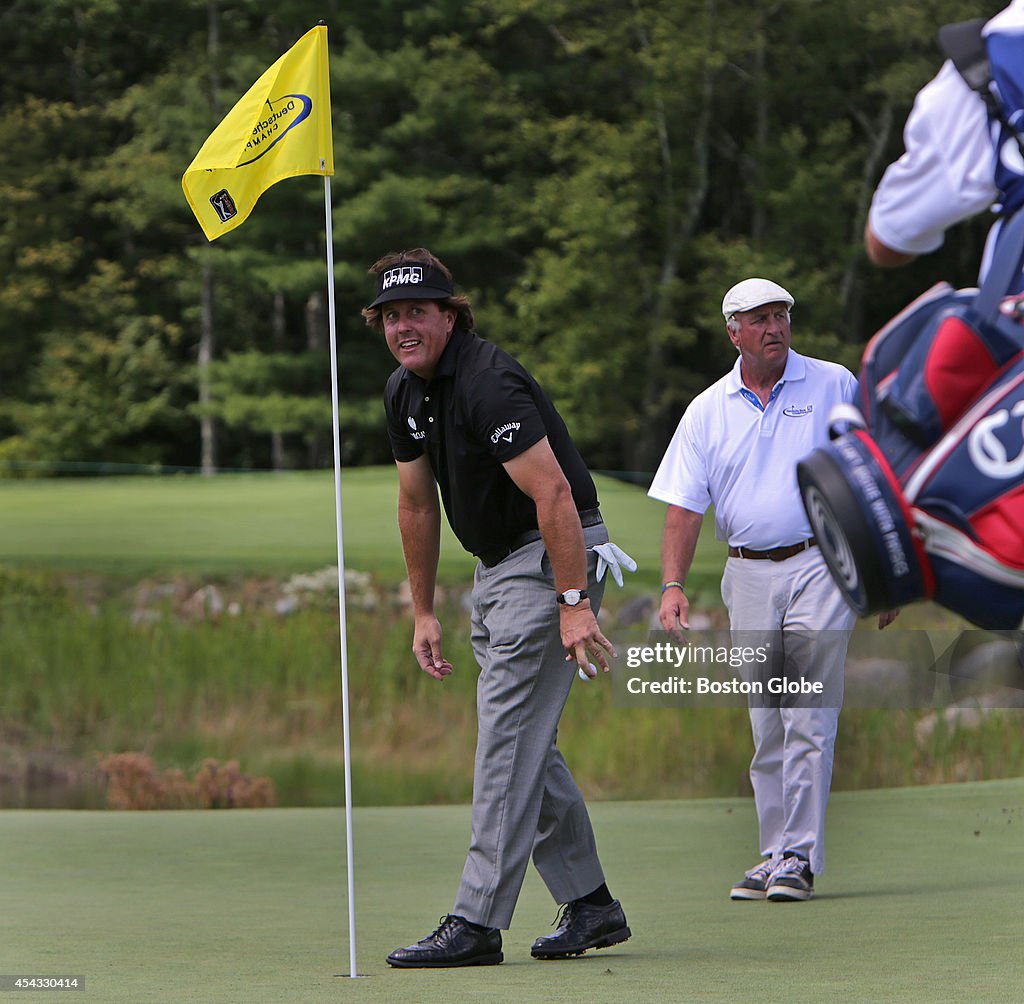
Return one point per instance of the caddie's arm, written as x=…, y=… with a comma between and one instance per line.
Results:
x=678, y=546
x=419, y=522
x=537, y=473
x=886, y=617
x=881, y=254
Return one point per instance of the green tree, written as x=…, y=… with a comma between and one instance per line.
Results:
x=596, y=172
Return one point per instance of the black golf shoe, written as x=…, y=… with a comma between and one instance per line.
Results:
x=454, y=943
x=583, y=926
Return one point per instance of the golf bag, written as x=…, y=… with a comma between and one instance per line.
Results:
x=920, y=495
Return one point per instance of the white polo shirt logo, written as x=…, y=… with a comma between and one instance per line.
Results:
x=416, y=433
x=795, y=411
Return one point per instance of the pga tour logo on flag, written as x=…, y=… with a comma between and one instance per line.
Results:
x=407, y=275
x=224, y=204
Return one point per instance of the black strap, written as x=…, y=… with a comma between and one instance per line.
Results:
x=963, y=44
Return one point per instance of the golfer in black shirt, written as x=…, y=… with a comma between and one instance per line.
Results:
x=466, y=418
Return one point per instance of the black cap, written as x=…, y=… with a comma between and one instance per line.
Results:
x=412, y=281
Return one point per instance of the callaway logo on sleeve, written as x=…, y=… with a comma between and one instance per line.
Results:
x=505, y=432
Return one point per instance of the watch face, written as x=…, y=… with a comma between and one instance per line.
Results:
x=572, y=597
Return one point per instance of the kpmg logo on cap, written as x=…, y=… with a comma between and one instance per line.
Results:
x=407, y=275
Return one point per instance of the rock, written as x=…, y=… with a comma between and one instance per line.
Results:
x=636, y=611
x=875, y=682
x=206, y=602
x=323, y=585
x=141, y=616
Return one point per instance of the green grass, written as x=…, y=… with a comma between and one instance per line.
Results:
x=239, y=523
x=920, y=902
x=261, y=524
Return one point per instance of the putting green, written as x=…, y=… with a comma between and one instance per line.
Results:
x=266, y=524
x=921, y=902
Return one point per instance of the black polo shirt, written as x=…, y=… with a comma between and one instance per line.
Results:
x=481, y=409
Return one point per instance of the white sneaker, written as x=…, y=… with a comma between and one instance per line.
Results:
x=754, y=884
x=792, y=879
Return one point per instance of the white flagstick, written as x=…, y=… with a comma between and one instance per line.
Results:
x=341, y=577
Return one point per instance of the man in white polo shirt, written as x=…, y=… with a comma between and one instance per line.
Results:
x=736, y=447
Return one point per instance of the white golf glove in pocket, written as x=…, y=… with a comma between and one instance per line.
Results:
x=611, y=556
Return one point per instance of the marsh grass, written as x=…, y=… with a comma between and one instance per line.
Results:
x=82, y=680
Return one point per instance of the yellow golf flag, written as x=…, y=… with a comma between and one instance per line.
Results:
x=280, y=128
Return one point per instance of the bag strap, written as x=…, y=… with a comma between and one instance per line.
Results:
x=1005, y=268
x=963, y=44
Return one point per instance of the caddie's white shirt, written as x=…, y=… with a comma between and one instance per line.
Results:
x=947, y=171
x=730, y=452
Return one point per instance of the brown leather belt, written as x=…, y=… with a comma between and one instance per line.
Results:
x=775, y=554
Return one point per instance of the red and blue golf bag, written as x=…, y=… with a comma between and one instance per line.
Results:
x=922, y=495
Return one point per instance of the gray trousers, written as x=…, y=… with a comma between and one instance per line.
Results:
x=525, y=800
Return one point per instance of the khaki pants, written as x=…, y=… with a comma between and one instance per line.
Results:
x=791, y=771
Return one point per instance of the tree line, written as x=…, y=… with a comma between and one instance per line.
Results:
x=595, y=172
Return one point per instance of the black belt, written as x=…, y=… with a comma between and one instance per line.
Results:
x=775, y=554
x=589, y=517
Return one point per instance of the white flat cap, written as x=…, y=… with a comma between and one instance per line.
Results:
x=753, y=293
